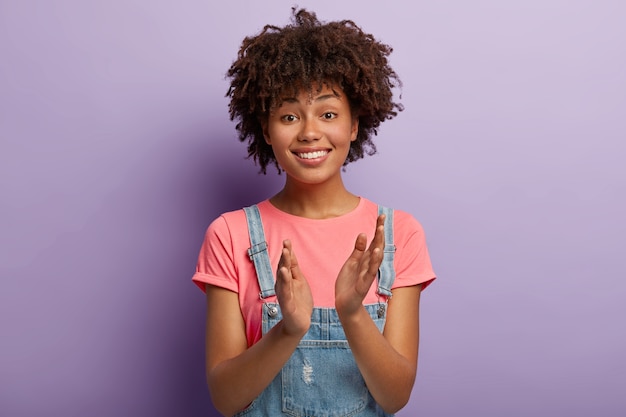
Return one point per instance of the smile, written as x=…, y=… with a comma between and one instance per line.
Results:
x=312, y=155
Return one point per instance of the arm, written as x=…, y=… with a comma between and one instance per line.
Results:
x=390, y=381
x=236, y=375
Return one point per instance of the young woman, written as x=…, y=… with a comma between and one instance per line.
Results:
x=313, y=294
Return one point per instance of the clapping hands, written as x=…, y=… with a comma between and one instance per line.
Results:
x=293, y=293
x=352, y=285
x=359, y=271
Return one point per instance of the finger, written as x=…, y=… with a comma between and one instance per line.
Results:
x=370, y=262
x=380, y=230
x=285, y=255
x=294, y=267
x=290, y=260
x=360, y=243
x=367, y=272
x=282, y=287
x=283, y=274
x=379, y=234
x=375, y=260
x=380, y=220
x=293, y=260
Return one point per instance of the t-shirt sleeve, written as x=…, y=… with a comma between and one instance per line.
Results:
x=216, y=264
x=412, y=261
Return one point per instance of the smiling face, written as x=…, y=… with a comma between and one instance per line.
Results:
x=311, y=133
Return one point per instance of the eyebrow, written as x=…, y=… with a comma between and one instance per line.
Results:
x=318, y=98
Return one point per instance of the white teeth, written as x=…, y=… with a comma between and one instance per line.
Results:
x=312, y=155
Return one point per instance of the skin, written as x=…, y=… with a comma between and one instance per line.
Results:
x=236, y=375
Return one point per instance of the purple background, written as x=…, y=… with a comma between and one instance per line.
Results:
x=116, y=152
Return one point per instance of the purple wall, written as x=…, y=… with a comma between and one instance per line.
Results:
x=116, y=152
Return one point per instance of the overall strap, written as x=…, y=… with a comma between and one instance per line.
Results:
x=258, y=252
x=387, y=272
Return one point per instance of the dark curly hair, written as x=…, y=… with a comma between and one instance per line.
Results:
x=304, y=54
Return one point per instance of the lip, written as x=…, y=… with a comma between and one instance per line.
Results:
x=314, y=156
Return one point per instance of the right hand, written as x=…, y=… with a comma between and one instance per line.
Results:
x=359, y=272
x=293, y=293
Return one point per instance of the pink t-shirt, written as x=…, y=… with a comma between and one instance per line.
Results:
x=321, y=246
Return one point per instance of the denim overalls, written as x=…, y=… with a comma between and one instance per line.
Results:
x=321, y=379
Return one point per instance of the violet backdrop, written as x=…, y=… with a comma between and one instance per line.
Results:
x=116, y=152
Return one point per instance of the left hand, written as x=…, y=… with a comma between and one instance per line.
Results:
x=359, y=271
x=293, y=293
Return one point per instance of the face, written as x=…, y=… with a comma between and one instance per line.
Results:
x=311, y=133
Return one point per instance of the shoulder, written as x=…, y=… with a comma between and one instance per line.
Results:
x=225, y=223
x=412, y=261
x=230, y=225
x=403, y=222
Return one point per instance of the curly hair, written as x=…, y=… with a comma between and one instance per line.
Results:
x=304, y=54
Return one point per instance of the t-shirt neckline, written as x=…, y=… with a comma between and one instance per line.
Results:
x=267, y=205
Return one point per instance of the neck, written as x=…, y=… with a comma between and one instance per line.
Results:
x=315, y=201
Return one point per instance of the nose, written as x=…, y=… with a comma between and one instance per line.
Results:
x=310, y=130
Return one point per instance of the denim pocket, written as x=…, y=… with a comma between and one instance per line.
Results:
x=322, y=379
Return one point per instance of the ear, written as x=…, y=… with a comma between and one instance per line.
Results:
x=266, y=135
x=354, y=130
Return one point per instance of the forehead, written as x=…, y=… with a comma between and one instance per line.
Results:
x=309, y=95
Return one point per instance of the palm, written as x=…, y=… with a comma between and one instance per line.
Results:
x=359, y=271
x=293, y=293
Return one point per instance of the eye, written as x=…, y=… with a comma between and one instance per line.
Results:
x=329, y=115
x=289, y=118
